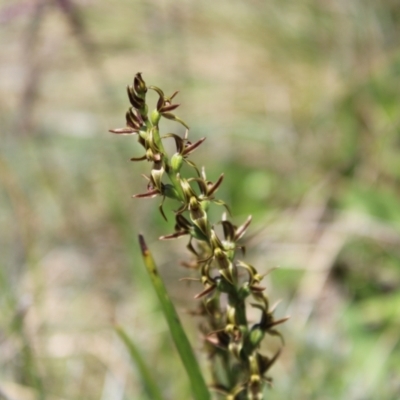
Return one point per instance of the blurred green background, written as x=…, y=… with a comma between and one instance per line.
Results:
x=299, y=103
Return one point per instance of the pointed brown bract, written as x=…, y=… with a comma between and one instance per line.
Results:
x=190, y=147
x=143, y=246
x=205, y=292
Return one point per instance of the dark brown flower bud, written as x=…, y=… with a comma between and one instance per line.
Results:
x=136, y=101
x=140, y=85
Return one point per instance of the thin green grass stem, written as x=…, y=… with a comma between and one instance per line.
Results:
x=149, y=383
x=199, y=387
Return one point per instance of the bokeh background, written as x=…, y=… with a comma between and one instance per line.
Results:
x=299, y=101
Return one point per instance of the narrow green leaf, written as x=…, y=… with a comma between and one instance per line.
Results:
x=199, y=387
x=150, y=385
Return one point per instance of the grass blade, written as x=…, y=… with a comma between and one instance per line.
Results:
x=199, y=387
x=150, y=385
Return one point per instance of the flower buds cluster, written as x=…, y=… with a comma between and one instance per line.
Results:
x=238, y=368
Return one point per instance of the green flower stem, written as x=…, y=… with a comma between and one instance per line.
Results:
x=166, y=160
x=239, y=305
x=175, y=182
x=157, y=139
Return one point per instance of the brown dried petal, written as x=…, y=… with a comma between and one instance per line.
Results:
x=174, y=235
x=192, y=147
x=205, y=291
x=242, y=229
x=124, y=131
x=213, y=188
x=149, y=194
x=168, y=107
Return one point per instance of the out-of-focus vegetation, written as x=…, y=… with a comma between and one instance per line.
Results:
x=299, y=102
